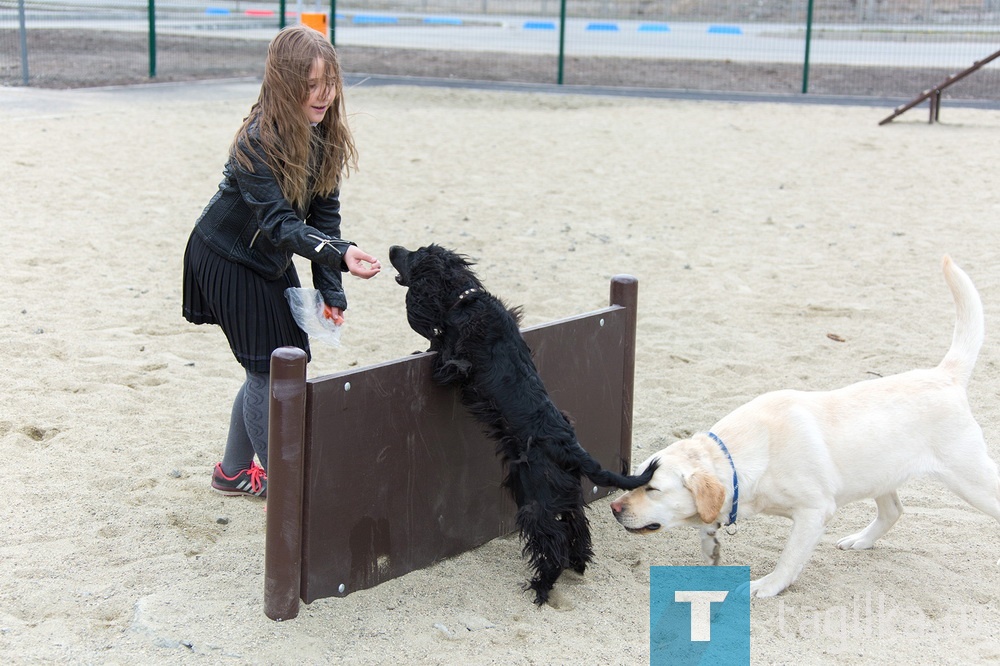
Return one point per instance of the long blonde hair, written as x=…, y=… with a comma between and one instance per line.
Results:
x=306, y=162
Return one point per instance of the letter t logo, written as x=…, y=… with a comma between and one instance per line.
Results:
x=701, y=610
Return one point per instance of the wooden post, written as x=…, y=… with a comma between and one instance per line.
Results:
x=285, y=456
x=625, y=292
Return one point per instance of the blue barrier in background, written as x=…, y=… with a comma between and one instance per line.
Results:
x=379, y=20
x=374, y=19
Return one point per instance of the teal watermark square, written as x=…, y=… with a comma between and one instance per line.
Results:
x=699, y=615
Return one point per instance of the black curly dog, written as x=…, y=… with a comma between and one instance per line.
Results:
x=480, y=350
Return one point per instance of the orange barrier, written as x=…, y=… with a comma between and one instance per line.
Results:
x=317, y=21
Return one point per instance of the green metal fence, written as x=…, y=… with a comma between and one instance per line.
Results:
x=881, y=48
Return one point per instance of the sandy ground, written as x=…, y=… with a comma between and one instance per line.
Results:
x=756, y=230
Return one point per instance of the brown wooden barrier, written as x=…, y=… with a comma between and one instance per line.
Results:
x=376, y=472
x=933, y=95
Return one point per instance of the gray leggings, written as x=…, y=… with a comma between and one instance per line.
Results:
x=248, y=425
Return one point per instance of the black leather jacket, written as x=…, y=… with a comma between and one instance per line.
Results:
x=249, y=221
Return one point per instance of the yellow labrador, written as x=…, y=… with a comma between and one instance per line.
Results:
x=803, y=455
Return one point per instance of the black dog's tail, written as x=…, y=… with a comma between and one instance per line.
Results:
x=602, y=477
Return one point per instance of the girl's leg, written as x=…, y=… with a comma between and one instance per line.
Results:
x=239, y=449
x=236, y=474
x=248, y=425
x=255, y=407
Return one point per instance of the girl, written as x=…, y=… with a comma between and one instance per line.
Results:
x=279, y=196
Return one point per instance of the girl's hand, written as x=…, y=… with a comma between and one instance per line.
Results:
x=356, y=258
x=336, y=315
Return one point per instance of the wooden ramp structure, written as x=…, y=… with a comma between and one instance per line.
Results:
x=933, y=95
x=377, y=472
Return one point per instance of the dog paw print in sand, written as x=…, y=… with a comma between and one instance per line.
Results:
x=150, y=376
x=559, y=601
x=196, y=530
x=37, y=433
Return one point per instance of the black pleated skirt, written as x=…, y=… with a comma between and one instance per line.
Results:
x=251, y=311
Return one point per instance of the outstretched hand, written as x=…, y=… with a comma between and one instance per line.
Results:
x=361, y=264
x=336, y=315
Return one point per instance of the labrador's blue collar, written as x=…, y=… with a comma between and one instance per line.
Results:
x=736, y=482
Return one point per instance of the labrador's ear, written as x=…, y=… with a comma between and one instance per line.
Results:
x=709, y=495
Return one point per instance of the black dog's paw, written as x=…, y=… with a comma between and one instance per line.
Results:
x=541, y=591
x=452, y=371
x=461, y=367
x=424, y=351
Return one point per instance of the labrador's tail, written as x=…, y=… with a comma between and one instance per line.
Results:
x=969, y=323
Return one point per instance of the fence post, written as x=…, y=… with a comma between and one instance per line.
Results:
x=24, y=41
x=152, y=39
x=281, y=15
x=333, y=22
x=805, y=65
x=562, y=39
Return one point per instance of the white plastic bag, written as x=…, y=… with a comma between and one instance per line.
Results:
x=307, y=308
